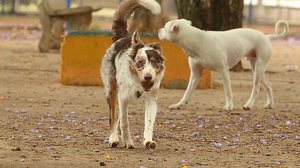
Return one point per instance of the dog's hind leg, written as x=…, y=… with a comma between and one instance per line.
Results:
x=123, y=118
x=258, y=61
x=266, y=84
x=258, y=75
x=196, y=71
x=113, y=118
x=270, y=100
x=150, y=115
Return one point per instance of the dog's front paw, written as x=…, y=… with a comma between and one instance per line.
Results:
x=128, y=144
x=176, y=106
x=150, y=144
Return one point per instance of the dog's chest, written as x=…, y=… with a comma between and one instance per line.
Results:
x=196, y=58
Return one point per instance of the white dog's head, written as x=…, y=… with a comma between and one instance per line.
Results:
x=148, y=62
x=172, y=28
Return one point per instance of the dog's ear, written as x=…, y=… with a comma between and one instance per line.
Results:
x=135, y=39
x=155, y=46
x=137, y=44
x=174, y=27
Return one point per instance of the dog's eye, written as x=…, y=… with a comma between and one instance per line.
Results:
x=139, y=64
x=156, y=63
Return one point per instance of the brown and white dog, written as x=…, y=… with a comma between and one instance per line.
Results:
x=131, y=69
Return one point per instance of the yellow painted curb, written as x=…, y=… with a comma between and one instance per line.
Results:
x=81, y=58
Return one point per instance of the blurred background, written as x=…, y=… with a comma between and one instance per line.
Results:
x=261, y=12
x=44, y=21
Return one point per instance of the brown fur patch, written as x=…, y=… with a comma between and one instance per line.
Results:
x=111, y=100
x=156, y=59
x=133, y=69
x=155, y=46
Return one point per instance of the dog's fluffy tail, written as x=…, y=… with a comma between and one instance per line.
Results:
x=278, y=35
x=123, y=13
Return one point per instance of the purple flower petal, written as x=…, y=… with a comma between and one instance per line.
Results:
x=53, y=127
x=200, y=126
x=264, y=141
x=167, y=122
x=67, y=138
x=279, y=162
x=35, y=131
x=184, y=162
x=285, y=110
x=217, y=144
x=289, y=123
x=106, y=140
x=50, y=148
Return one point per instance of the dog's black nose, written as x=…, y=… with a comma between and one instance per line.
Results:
x=148, y=77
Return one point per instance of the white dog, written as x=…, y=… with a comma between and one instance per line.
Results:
x=131, y=70
x=221, y=50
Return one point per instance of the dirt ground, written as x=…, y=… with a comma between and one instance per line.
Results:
x=46, y=124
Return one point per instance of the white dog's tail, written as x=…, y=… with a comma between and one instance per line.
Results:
x=278, y=35
x=124, y=11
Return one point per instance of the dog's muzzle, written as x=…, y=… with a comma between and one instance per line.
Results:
x=147, y=85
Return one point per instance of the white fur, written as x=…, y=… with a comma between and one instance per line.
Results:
x=221, y=50
x=152, y=5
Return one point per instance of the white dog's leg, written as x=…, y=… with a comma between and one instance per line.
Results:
x=270, y=100
x=124, y=124
x=227, y=88
x=196, y=71
x=258, y=74
x=150, y=115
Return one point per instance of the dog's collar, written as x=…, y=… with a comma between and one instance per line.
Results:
x=139, y=94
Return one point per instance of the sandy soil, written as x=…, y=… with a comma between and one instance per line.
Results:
x=46, y=124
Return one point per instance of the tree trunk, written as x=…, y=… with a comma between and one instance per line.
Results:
x=13, y=7
x=216, y=15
